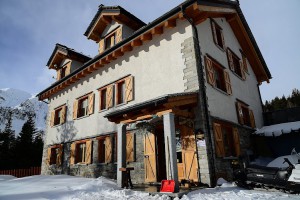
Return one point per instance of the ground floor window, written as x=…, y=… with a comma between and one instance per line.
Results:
x=227, y=142
x=81, y=152
x=55, y=155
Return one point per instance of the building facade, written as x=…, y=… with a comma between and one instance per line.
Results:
x=175, y=99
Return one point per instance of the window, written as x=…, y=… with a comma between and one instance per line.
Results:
x=227, y=142
x=245, y=115
x=55, y=155
x=64, y=71
x=120, y=93
x=81, y=152
x=105, y=149
x=110, y=40
x=244, y=61
x=235, y=64
x=116, y=93
x=58, y=116
x=83, y=106
x=217, y=76
x=217, y=35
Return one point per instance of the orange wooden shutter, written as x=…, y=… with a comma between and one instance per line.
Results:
x=239, y=112
x=109, y=96
x=72, y=153
x=242, y=70
x=59, y=155
x=236, y=141
x=128, y=89
x=91, y=103
x=230, y=60
x=58, y=75
x=150, y=158
x=63, y=114
x=112, y=40
x=223, y=41
x=129, y=147
x=219, y=145
x=100, y=98
x=68, y=68
x=119, y=35
x=48, y=156
x=101, y=46
x=227, y=82
x=209, y=71
x=108, y=149
x=214, y=33
x=75, y=109
x=245, y=62
x=252, y=119
x=88, y=153
x=52, y=118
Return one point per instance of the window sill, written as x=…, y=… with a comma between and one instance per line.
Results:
x=82, y=117
x=238, y=75
x=119, y=105
x=223, y=92
x=222, y=49
x=57, y=125
x=103, y=110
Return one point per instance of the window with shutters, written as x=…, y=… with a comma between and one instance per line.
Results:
x=81, y=152
x=103, y=97
x=245, y=115
x=235, y=64
x=217, y=35
x=217, y=76
x=227, y=142
x=55, y=155
x=105, y=149
x=83, y=106
x=244, y=61
x=64, y=71
x=110, y=40
x=58, y=116
x=120, y=92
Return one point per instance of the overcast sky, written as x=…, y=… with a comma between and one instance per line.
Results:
x=29, y=30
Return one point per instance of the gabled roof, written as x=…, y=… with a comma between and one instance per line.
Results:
x=61, y=52
x=105, y=15
x=198, y=11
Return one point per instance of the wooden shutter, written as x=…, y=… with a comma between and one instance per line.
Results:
x=219, y=145
x=150, y=158
x=68, y=68
x=245, y=62
x=214, y=32
x=48, y=156
x=109, y=96
x=230, y=60
x=128, y=89
x=91, y=103
x=52, y=118
x=119, y=35
x=63, y=114
x=108, y=149
x=75, y=109
x=209, y=71
x=129, y=147
x=227, y=82
x=59, y=155
x=239, y=112
x=58, y=74
x=223, y=40
x=73, y=153
x=236, y=141
x=88, y=152
x=242, y=70
x=252, y=119
x=101, y=46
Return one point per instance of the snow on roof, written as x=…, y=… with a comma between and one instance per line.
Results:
x=278, y=129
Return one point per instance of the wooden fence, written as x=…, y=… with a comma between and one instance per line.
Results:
x=22, y=172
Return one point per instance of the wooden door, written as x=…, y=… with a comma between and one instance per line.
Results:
x=189, y=156
x=150, y=158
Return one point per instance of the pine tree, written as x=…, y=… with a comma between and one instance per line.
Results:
x=7, y=142
x=24, y=144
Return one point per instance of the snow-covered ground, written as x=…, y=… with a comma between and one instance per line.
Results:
x=65, y=187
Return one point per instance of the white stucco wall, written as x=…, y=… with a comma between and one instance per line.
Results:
x=220, y=104
x=157, y=67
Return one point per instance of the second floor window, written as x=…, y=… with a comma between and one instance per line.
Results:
x=83, y=106
x=58, y=116
x=245, y=115
x=235, y=64
x=217, y=76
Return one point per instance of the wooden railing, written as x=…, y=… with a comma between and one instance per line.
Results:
x=22, y=172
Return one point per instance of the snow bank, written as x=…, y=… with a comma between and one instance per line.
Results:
x=6, y=177
x=278, y=129
x=278, y=162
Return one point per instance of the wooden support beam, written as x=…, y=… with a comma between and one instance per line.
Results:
x=107, y=59
x=200, y=18
x=146, y=37
x=97, y=65
x=157, y=30
x=171, y=23
x=180, y=16
x=117, y=53
x=136, y=42
x=126, y=48
x=106, y=20
x=103, y=62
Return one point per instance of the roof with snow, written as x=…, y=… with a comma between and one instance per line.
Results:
x=278, y=129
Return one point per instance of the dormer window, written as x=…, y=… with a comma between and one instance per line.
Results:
x=110, y=41
x=64, y=71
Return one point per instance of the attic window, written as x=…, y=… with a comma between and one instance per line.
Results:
x=235, y=64
x=217, y=35
x=110, y=41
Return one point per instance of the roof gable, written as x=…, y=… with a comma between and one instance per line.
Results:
x=105, y=16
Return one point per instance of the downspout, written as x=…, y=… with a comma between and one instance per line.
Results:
x=202, y=89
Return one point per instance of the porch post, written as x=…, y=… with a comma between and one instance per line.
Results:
x=121, y=154
x=170, y=148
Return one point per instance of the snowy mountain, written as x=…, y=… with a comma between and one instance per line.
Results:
x=21, y=104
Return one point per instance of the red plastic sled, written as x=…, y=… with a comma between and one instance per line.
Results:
x=167, y=186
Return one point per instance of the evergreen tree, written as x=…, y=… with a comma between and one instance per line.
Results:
x=7, y=141
x=38, y=145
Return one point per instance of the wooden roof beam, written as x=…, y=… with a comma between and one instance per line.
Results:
x=136, y=42
x=157, y=30
x=146, y=37
x=171, y=23
x=126, y=48
x=117, y=53
x=106, y=20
